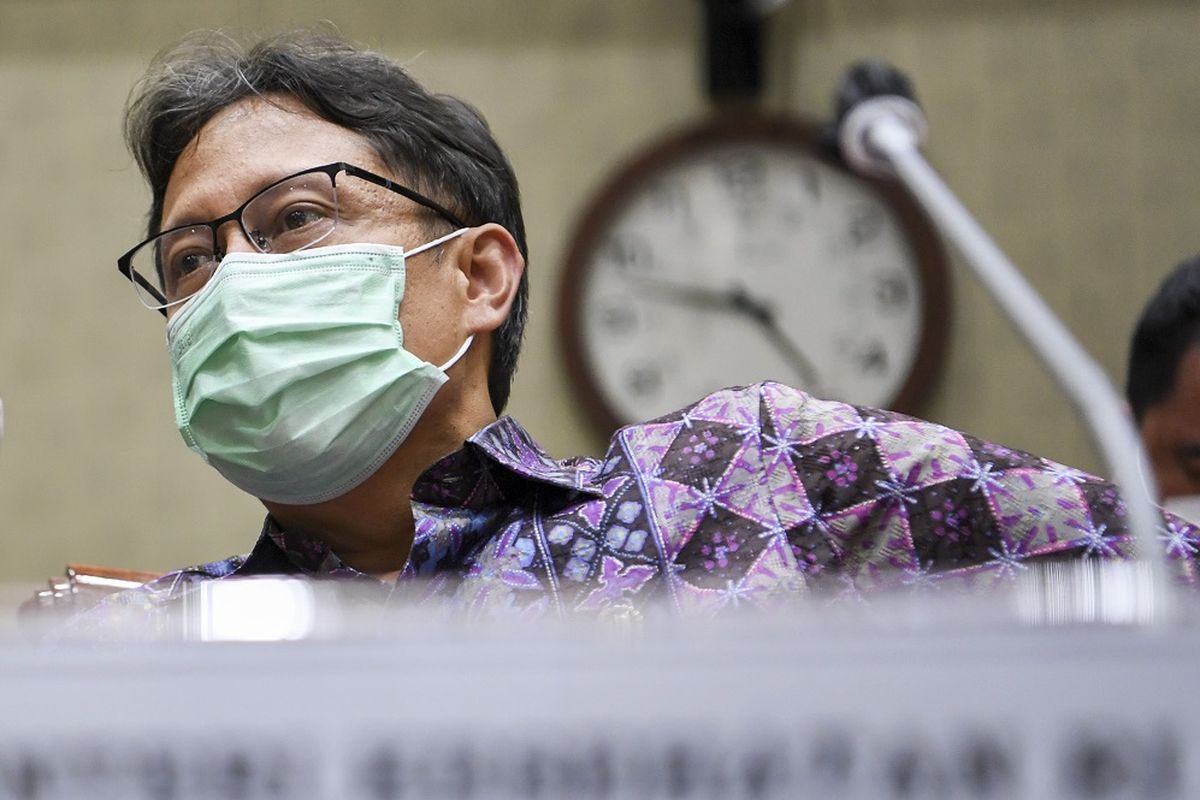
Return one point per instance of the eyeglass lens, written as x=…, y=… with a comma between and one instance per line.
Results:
x=288, y=216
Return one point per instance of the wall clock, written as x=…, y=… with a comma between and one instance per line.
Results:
x=736, y=251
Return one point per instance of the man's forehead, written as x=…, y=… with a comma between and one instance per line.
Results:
x=248, y=145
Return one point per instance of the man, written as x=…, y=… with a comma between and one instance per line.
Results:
x=334, y=193
x=1163, y=386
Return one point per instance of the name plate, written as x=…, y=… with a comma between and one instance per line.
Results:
x=757, y=709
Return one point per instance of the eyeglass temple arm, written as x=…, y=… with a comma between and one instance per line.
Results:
x=133, y=275
x=416, y=197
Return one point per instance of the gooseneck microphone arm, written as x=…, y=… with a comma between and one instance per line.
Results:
x=880, y=134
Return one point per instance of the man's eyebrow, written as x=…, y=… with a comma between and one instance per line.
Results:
x=192, y=218
x=1187, y=450
x=186, y=220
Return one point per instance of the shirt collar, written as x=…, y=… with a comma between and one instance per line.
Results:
x=499, y=463
x=280, y=552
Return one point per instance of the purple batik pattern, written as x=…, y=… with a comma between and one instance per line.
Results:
x=750, y=496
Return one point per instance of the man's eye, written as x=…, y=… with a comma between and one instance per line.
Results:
x=298, y=217
x=187, y=263
x=1188, y=457
x=187, y=272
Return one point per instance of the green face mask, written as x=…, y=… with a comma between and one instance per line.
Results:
x=289, y=370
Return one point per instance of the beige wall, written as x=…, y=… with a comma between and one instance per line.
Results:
x=1070, y=128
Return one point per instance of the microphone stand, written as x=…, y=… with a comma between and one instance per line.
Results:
x=881, y=135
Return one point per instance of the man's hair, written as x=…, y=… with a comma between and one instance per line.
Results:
x=1168, y=326
x=438, y=144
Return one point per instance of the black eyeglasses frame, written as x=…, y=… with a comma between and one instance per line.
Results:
x=125, y=262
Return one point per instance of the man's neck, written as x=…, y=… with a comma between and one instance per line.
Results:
x=371, y=527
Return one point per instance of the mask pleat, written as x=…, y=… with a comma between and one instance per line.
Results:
x=290, y=375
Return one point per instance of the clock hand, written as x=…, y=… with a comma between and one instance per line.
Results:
x=764, y=315
x=737, y=300
x=697, y=296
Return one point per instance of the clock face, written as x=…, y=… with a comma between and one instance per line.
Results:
x=746, y=259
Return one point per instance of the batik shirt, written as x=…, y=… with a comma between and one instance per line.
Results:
x=749, y=496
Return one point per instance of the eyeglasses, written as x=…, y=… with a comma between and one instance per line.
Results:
x=295, y=212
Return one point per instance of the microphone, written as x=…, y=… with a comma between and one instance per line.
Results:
x=880, y=130
x=871, y=94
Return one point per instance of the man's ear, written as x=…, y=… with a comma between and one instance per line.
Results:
x=491, y=264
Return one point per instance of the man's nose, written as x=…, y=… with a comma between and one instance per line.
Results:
x=232, y=239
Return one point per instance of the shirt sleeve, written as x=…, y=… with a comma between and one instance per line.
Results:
x=150, y=612
x=872, y=497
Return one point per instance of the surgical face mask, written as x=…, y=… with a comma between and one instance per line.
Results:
x=1186, y=506
x=289, y=371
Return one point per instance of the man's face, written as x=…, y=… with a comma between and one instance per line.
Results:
x=1171, y=431
x=253, y=143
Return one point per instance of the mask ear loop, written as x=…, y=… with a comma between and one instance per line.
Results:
x=428, y=246
x=435, y=242
x=461, y=352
